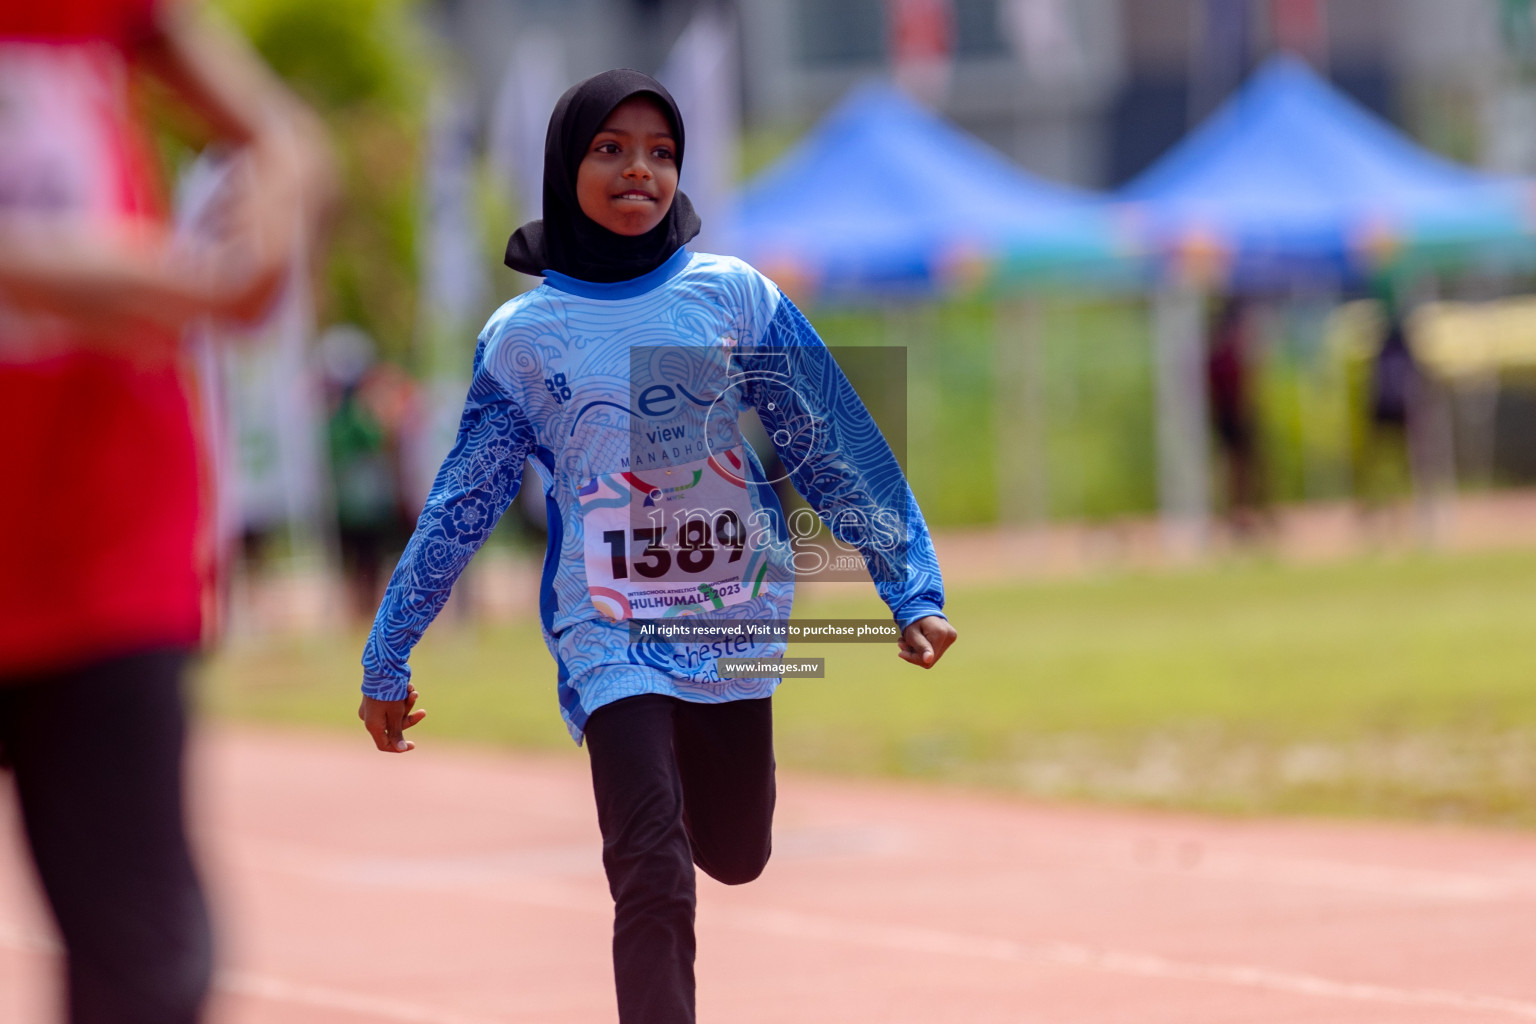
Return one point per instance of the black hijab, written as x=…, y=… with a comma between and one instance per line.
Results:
x=567, y=240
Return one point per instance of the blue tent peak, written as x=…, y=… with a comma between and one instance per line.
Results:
x=882, y=190
x=1289, y=126
x=1291, y=172
x=883, y=148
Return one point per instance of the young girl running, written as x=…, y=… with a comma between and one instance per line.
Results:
x=622, y=378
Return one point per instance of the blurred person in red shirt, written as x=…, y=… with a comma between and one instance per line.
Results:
x=104, y=546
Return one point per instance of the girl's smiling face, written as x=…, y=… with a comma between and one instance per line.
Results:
x=628, y=177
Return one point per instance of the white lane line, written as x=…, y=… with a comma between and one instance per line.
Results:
x=279, y=990
x=926, y=940
x=481, y=878
x=578, y=861
x=810, y=927
x=322, y=997
x=1413, y=884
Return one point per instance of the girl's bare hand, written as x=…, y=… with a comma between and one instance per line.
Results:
x=924, y=642
x=387, y=720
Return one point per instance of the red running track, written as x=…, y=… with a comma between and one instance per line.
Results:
x=464, y=887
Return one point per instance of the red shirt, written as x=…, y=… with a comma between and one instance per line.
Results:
x=100, y=485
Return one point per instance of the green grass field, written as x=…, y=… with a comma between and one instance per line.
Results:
x=1398, y=687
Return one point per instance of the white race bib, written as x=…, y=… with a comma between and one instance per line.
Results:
x=672, y=540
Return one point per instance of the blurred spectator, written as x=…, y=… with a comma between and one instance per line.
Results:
x=103, y=561
x=371, y=406
x=1395, y=396
x=1394, y=379
x=1229, y=380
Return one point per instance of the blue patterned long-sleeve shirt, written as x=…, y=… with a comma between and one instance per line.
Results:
x=626, y=399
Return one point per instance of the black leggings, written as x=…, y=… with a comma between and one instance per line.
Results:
x=677, y=784
x=97, y=755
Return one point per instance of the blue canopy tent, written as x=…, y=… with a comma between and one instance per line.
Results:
x=885, y=199
x=1291, y=181
x=1293, y=186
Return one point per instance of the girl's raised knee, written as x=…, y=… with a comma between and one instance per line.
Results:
x=736, y=872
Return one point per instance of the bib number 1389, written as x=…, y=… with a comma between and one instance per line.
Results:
x=699, y=538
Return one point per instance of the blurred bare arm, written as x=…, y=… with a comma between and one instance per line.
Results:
x=291, y=181
x=100, y=278
x=95, y=280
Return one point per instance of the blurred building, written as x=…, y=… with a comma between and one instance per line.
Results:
x=1086, y=91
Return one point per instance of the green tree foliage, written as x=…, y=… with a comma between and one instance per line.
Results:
x=363, y=65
